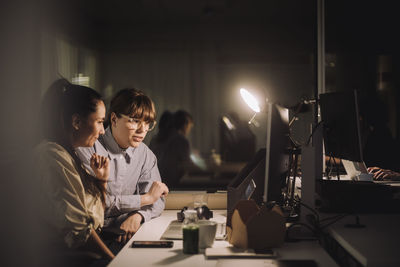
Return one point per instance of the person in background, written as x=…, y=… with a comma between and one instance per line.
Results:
x=379, y=146
x=135, y=191
x=173, y=150
x=384, y=174
x=165, y=126
x=71, y=200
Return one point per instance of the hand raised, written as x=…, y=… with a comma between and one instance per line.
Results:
x=100, y=166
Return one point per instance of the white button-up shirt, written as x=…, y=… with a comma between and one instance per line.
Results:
x=132, y=172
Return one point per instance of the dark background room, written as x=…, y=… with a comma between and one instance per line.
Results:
x=191, y=55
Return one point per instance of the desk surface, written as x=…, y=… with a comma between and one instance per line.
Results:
x=377, y=244
x=153, y=230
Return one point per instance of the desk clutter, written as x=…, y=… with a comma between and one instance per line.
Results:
x=256, y=227
x=202, y=212
x=174, y=231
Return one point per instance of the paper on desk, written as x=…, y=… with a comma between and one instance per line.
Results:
x=266, y=263
x=241, y=263
x=232, y=252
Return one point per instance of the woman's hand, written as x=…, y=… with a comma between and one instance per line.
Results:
x=130, y=226
x=100, y=167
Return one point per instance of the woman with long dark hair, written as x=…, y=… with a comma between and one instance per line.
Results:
x=72, y=199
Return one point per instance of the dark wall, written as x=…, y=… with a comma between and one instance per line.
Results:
x=363, y=52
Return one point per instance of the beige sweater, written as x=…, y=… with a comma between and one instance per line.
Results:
x=67, y=209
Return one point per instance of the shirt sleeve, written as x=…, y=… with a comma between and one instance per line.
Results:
x=149, y=175
x=117, y=204
x=64, y=193
x=125, y=204
x=84, y=154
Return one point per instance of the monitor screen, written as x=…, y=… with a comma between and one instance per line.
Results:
x=248, y=183
x=341, y=124
x=277, y=154
x=254, y=180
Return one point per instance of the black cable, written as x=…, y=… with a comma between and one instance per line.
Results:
x=295, y=118
x=309, y=208
x=330, y=167
x=337, y=169
x=330, y=218
x=335, y=220
x=301, y=224
x=313, y=131
x=300, y=239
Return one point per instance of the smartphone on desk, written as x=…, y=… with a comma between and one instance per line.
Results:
x=152, y=244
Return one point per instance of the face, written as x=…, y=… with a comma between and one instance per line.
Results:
x=188, y=128
x=88, y=130
x=124, y=134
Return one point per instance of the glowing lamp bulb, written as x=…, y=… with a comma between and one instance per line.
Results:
x=250, y=100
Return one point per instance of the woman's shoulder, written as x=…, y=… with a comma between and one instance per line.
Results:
x=50, y=147
x=48, y=150
x=144, y=149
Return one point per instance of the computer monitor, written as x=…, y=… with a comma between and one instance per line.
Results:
x=341, y=124
x=343, y=139
x=264, y=176
x=278, y=152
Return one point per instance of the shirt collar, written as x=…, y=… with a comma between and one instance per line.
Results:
x=113, y=148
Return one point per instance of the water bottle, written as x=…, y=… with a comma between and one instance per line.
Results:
x=190, y=232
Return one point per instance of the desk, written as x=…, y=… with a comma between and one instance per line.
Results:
x=375, y=245
x=153, y=229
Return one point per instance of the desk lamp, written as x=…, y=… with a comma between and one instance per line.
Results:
x=252, y=102
x=278, y=128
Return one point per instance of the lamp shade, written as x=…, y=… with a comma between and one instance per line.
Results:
x=250, y=100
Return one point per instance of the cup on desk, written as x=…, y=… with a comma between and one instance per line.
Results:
x=207, y=231
x=200, y=199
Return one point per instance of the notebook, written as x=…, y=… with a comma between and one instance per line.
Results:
x=174, y=231
x=357, y=171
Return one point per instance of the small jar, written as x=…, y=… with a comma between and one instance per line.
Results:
x=190, y=230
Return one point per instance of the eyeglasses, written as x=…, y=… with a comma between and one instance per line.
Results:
x=134, y=124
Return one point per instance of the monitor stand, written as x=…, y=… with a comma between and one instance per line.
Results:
x=311, y=166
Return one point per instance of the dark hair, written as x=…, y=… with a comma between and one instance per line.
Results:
x=134, y=103
x=181, y=119
x=61, y=101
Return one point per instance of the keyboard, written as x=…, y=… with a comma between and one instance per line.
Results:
x=174, y=231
